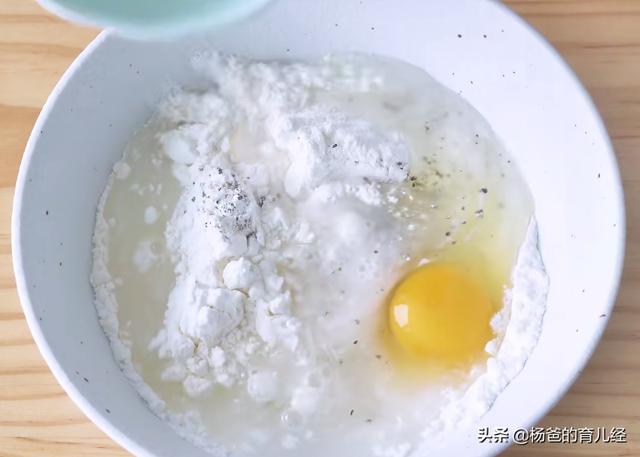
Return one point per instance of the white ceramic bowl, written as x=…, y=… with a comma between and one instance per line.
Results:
x=528, y=94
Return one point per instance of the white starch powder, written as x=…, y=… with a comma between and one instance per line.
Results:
x=290, y=225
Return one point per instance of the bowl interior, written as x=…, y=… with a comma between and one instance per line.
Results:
x=479, y=49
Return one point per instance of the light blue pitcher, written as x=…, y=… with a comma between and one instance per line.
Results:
x=153, y=18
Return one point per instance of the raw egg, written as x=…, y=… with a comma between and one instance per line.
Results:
x=441, y=313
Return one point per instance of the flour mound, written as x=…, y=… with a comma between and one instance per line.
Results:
x=231, y=306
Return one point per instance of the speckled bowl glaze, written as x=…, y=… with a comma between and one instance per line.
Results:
x=477, y=48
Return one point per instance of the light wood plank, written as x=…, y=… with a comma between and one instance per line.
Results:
x=599, y=38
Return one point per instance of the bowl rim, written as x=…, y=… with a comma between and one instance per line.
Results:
x=96, y=416
x=104, y=423
x=619, y=203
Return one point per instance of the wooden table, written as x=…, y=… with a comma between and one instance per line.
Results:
x=599, y=38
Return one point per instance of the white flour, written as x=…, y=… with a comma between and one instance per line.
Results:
x=519, y=324
x=230, y=230
x=289, y=225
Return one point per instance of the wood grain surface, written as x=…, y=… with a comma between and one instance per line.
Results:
x=599, y=38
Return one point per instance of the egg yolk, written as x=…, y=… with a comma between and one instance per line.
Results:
x=441, y=312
